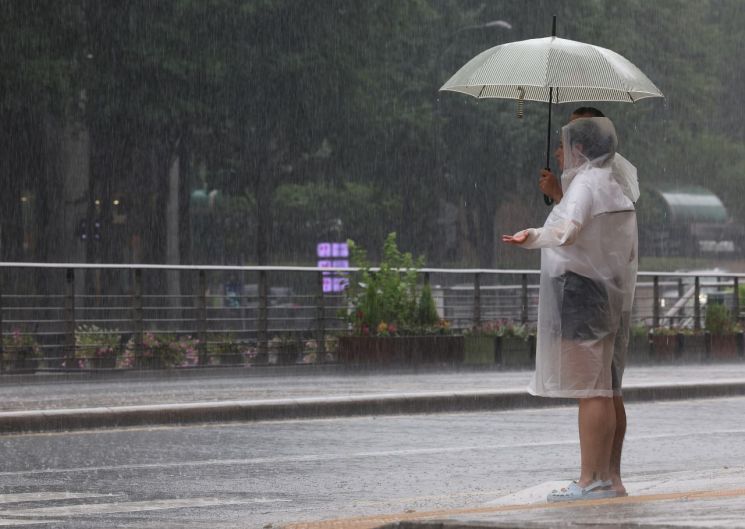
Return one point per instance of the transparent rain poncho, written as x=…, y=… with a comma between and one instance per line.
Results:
x=588, y=270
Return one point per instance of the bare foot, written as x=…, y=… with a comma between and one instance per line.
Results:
x=617, y=485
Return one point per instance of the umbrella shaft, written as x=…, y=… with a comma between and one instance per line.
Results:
x=547, y=199
x=548, y=133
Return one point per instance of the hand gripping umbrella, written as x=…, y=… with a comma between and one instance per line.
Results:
x=551, y=70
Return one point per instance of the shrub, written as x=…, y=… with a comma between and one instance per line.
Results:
x=389, y=301
x=94, y=344
x=226, y=349
x=426, y=310
x=718, y=319
x=665, y=331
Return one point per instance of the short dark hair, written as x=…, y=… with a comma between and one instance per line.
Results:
x=588, y=112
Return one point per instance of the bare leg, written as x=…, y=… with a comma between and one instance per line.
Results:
x=597, y=424
x=615, y=456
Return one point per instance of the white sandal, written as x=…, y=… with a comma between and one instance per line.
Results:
x=594, y=491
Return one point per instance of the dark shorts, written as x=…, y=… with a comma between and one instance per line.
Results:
x=615, y=378
x=584, y=307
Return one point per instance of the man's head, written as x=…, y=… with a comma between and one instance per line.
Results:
x=588, y=140
x=581, y=112
x=586, y=112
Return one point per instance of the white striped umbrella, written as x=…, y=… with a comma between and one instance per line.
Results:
x=552, y=70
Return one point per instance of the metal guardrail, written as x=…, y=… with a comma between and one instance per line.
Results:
x=228, y=314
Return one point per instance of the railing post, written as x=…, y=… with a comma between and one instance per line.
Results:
x=655, y=302
x=682, y=311
x=697, y=304
x=524, y=300
x=320, y=320
x=680, y=287
x=70, y=318
x=202, y=317
x=736, y=301
x=263, y=327
x=2, y=349
x=476, y=300
x=138, y=327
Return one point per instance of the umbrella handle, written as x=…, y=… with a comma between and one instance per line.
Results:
x=547, y=199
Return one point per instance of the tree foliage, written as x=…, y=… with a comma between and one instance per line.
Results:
x=325, y=118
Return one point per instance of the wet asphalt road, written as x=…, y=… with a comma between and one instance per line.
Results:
x=253, y=475
x=54, y=391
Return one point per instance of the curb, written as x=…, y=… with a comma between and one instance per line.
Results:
x=325, y=407
x=450, y=524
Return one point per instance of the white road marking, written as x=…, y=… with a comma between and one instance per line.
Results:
x=8, y=522
x=49, y=496
x=132, y=506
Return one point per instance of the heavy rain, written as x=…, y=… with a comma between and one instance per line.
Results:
x=251, y=269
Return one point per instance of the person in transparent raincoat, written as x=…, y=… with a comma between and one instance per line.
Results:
x=588, y=275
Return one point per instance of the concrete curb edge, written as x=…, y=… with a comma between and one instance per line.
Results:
x=325, y=407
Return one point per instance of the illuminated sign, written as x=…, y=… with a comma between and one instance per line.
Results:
x=333, y=255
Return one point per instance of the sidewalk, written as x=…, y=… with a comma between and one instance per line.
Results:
x=49, y=402
x=681, y=499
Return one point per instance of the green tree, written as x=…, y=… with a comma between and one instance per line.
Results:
x=38, y=59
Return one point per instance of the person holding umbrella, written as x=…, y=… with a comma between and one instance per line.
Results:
x=588, y=274
x=623, y=170
x=625, y=174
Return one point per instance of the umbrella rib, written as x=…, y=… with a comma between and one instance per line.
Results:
x=481, y=92
x=631, y=98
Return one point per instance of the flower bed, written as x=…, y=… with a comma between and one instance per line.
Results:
x=20, y=351
x=160, y=351
x=96, y=347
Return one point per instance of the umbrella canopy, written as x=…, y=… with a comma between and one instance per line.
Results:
x=552, y=70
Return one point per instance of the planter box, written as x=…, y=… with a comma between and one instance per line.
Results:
x=693, y=348
x=639, y=348
x=723, y=346
x=664, y=347
x=284, y=351
x=231, y=359
x=400, y=349
x=480, y=349
x=19, y=360
x=516, y=352
x=102, y=362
